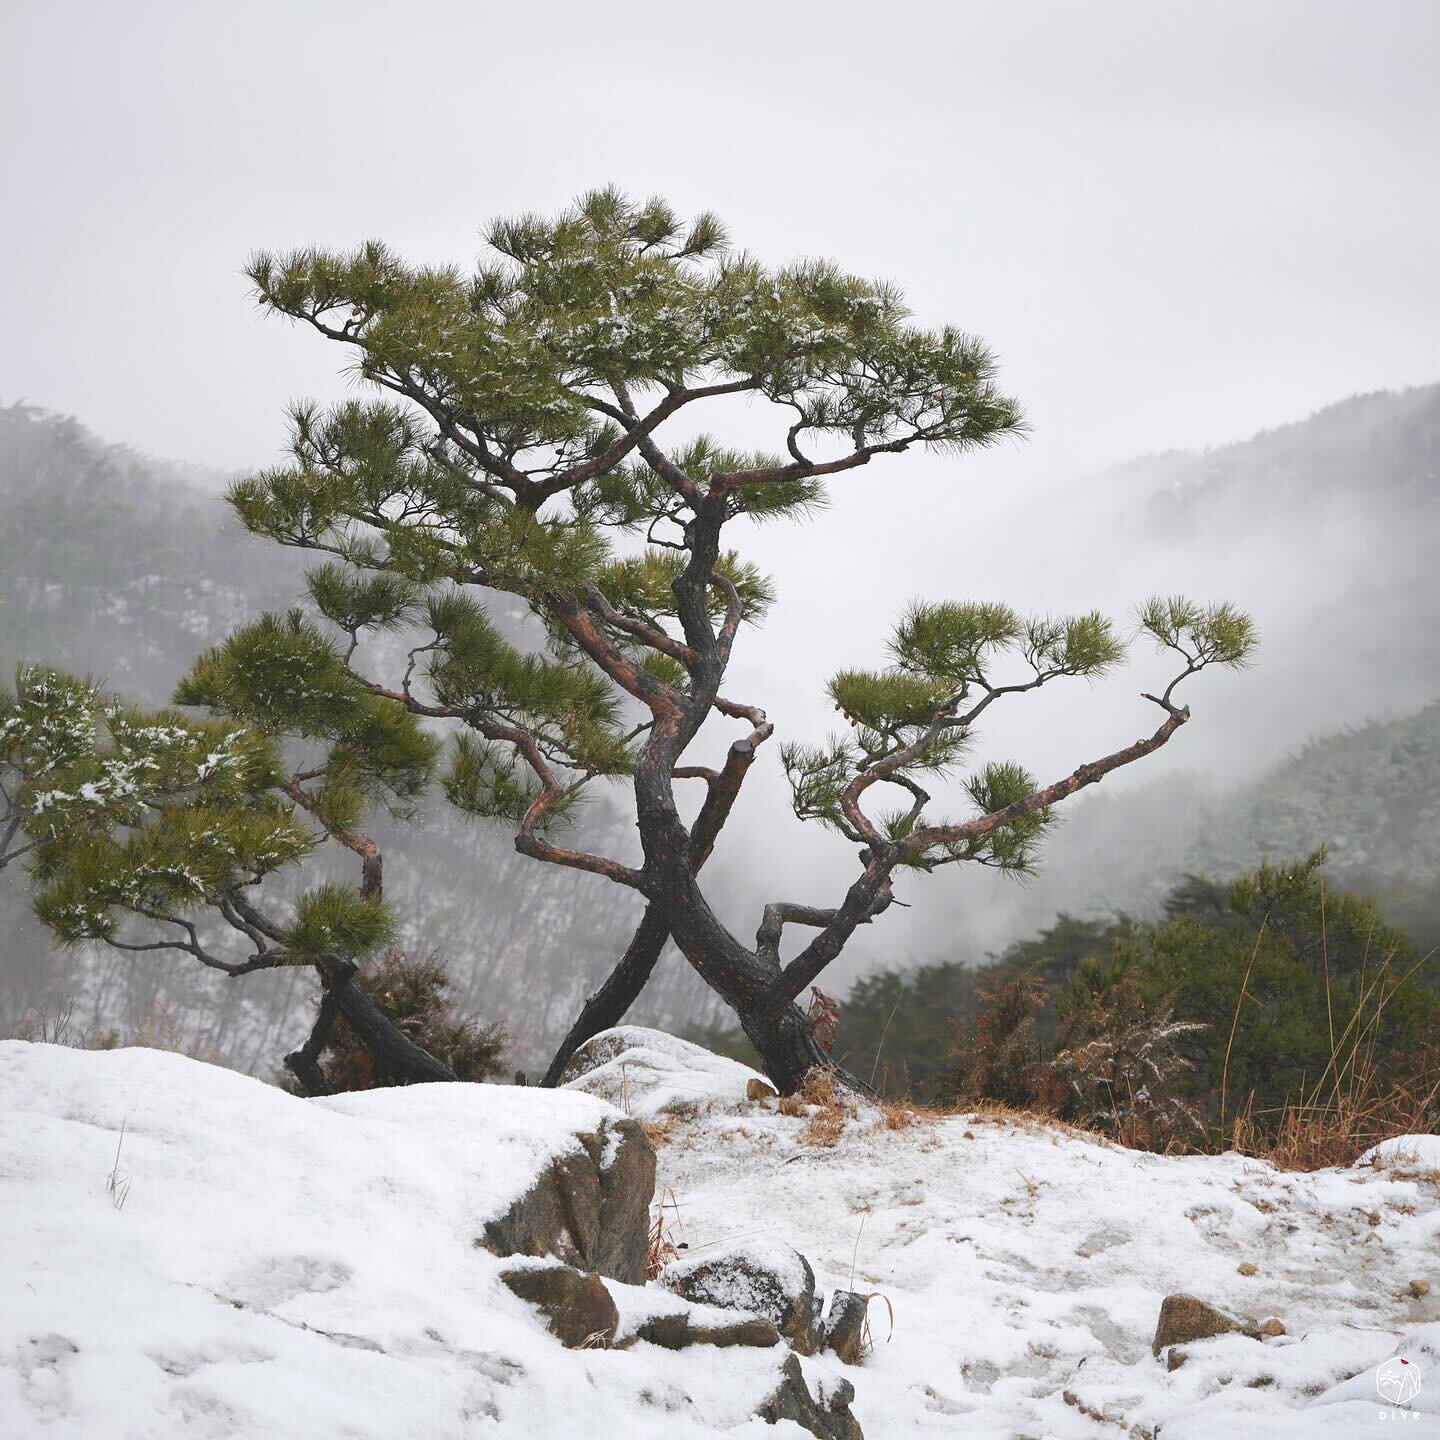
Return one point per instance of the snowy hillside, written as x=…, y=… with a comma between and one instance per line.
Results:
x=288, y=1268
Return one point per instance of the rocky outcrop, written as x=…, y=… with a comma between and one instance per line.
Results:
x=825, y=1415
x=581, y=1311
x=648, y=1074
x=1185, y=1319
x=844, y=1330
x=589, y=1207
x=577, y=1307
x=763, y=1278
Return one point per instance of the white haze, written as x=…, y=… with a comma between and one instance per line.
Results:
x=1176, y=224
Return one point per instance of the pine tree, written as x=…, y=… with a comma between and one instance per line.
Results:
x=513, y=445
x=155, y=831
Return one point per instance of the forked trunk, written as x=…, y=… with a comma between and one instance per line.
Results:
x=609, y=1005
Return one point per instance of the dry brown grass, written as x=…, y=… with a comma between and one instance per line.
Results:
x=662, y=1248
x=659, y=1131
x=161, y=1031
x=1316, y=1136
x=867, y=1336
x=1353, y=1109
x=1356, y=1103
x=1031, y=1121
x=906, y=1117
x=825, y=1107
x=59, y=1027
x=1312, y=1134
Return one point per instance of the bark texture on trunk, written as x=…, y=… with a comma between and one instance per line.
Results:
x=787, y=1047
x=391, y=1048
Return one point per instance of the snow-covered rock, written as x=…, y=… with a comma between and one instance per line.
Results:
x=589, y=1206
x=286, y=1269
x=760, y=1276
x=652, y=1313
x=1405, y=1152
x=648, y=1073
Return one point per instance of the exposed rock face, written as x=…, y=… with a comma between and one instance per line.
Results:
x=763, y=1278
x=826, y=1415
x=589, y=1208
x=678, y=1331
x=577, y=1307
x=1184, y=1319
x=845, y=1325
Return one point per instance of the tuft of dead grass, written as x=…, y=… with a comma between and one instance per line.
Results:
x=867, y=1336
x=662, y=1247
x=825, y=1107
x=1031, y=1121
x=659, y=1131
x=1357, y=1102
x=159, y=1030
x=117, y=1182
x=905, y=1117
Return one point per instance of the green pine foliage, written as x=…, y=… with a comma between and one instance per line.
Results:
x=140, y=829
x=1203, y=634
x=78, y=767
x=509, y=452
x=332, y=919
x=121, y=811
x=501, y=457
x=484, y=780
x=917, y=717
x=643, y=585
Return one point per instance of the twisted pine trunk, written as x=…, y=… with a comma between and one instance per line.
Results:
x=393, y=1052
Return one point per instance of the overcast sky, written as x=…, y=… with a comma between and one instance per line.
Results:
x=1176, y=224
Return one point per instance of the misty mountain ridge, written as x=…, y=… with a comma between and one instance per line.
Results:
x=1325, y=529
x=1390, y=438
x=1370, y=795
x=117, y=565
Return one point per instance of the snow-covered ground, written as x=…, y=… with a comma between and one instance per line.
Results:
x=286, y=1268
